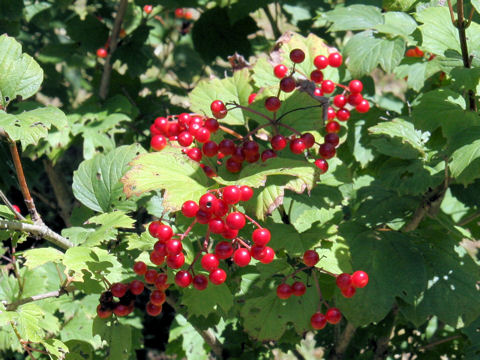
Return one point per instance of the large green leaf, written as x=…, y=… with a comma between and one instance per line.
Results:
x=169, y=170
x=96, y=182
x=465, y=162
x=214, y=299
x=40, y=256
x=355, y=17
x=108, y=230
x=20, y=73
x=29, y=127
x=193, y=344
x=397, y=23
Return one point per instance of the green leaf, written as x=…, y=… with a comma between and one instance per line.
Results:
x=465, y=162
x=391, y=261
x=27, y=322
x=96, y=182
x=365, y=52
x=231, y=89
x=108, y=230
x=21, y=75
x=37, y=257
x=192, y=342
x=409, y=143
x=398, y=5
x=397, y=23
x=210, y=300
x=169, y=170
x=29, y=127
x=120, y=342
x=354, y=17
x=417, y=72
x=55, y=348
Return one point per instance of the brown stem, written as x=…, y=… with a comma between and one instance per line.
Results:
x=14, y=305
x=182, y=236
x=252, y=221
x=250, y=133
x=243, y=243
x=273, y=23
x=343, y=341
x=230, y=132
x=326, y=272
x=438, y=342
x=295, y=273
x=10, y=206
x=60, y=189
x=319, y=292
x=238, y=106
x=23, y=184
x=107, y=67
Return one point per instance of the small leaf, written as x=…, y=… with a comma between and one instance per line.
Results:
x=354, y=17
x=397, y=23
x=37, y=257
x=108, y=230
x=465, y=162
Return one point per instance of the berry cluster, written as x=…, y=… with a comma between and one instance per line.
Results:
x=126, y=294
x=416, y=52
x=181, y=13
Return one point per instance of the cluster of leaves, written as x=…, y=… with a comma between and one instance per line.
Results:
x=411, y=145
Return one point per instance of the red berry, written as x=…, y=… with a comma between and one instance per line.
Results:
x=332, y=127
x=355, y=99
x=195, y=120
x=193, y=128
x=209, y=262
x=419, y=52
x=359, y=279
x=221, y=208
x=161, y=123
x=161, y=282
x=335, y=59
x=160, y=248
x=158, y=142
x=331, y=114
x=153, y=310
x=246, y=193
x=175, y=261
x=154, y=130
x=355, y=86
x=154, y=227
x=280, y=71
x=211, y=125
x=230, y=233
x=411, y=53
x=284, y=291
x=297, y=56
x=251, y=98
x=310, y=258
x=343, y=114
x=121, y=310
x=318, y=321
x=348, y=292
x=173, y=246
x=188, y=15
x=119, y=289
x=287, y=84
x=210, y=148
x=217, y=106
x=299, y=288
x=297, y=146
x=250, y=148
x=322, y=165
x=261, y=236
x=339, y=101
x=332, y=138
x=327, y=150
x=136, y=287
x=185, y=138
x=189, y=208
x=183, y=278
x=308, y=139
x=164, y=233
x=241, y=257
x=344, y=281
x=195, y=154
x=157, y=297
x=226, y=147
x=157, y=258
x=235, y=220
x=140, y=268
x=184, y=119
x=363, y=107
x=272, y=103
x=231, y=194
x=224, y=250
x=102, y=53
x=150, y=276
x=217, y=276
x=103, y=313
x=333, y=316
x=216, y=226
x=173, y=129
x=203, y=217
x=208, y=202
x=268, y=154
x=200, y=282
x=328, y=86
x=238, y=155
x=269, y=254
x=202, y=135
x=318, y=92
x=278, y=142
x=257, y=252
x=320, y=62
x=179, y=13
x=316, y=76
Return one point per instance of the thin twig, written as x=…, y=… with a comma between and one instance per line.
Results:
x=438, y=342
x=230, y=132
x=14, y=305
x=472, y=217
x=10, y=206
x=39, y=230
x=245, y=108
x=273, y=23
x=107, y=67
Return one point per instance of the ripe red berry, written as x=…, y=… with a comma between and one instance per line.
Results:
x=331, y=114
x=231, y=194
x=333, y=316
x=195, y=120
x=121, y=310
x=363, y=107
x=327, y=150
x=235, y=220
x=226, y=147
x=150, y=276
x=158, y=142
x=217, y=276
x=268, y=154
x=355, y=99
x=332, y=127
x=188, y=15
x=355, y=86
x=308, y=139
x=284, y=291
x=322, y=165
x=261, y=236
x=195, y=154
x=185, y=138
x=278, y=142
x=233, y=166
x=318, y=321
x=251, y=98
x=202, y=135
x=246, y=193
x=136, y=287
x=411, y=53
x=173, y=246
x=297, y=146
x=208, y=202
x=328, y=86
x=164, y=233
x=348, y=292
x=209, y=262
x=179, y=13
x=183, y=278
x=238, y=155
x=210, y=148
x=119, y=289
x=297, y=56
x=157, y=258
x=102, y=53
x=320, y=62
x=241, y=257
x=161, y=282
x=160, y=248
x=288, y=84
x=175, y=261
x=269, y=254
x=310, y=258
x=211, y=125
x=335, y=59
x=230, y=233
x=344, y=281
x=157, y=297
x=343, y=114
x=316, y=76
x=189, y=208
x=184, y=119
x=216, y=226
x=200, y=282
x=359, y=279
x=280, y=71
x=298, y=288
x=217, y=106
x=257, y=252
x=339, y=100
x=250, y=148
x=153, y=310
x=203, y=217
x=103, y=313
x=224, y=250
x=252, y=158
x=332, y=138
x=318, y=92
x=221, y=208
x=272, y=103
x=154, y=227
x=161, y=123
x=140, y=268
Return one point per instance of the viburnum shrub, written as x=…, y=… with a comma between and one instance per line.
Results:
x=192, y=181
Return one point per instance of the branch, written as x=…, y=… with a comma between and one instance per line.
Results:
x=342, y=343
x=14, y=305
x=10, y=206
x=207, y=335
x=107, y=67
x=273, y=23
x=441, y=341
x=39, y=230
x=468, y=219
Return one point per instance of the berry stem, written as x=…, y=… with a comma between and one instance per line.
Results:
x=190, y=268
x=182, y=236
x=326, y=272
x=255, y=130
x=252, y=221
x=319, y=292
x=295, y=273
x=206, y=242
x=238, y=106
x=243, y=243
x=230, y=132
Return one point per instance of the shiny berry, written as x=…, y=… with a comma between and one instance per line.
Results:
x=153, y=310
x=179, y=13
x=216, y=226
x=119, y=289
x=175, y=261
x=343, y=114
x=328, y=86
x=288, y=84
x=102, y=53
x=211, y=125
x=195, y=154
x=355, y=86
x=333, y=316
x=164, y=233
x=269, y=254
x=339, y=101
x=280, y=71
x=297, y=146
x=316, y=76
x=261, y=236
x=136, y=287
x=157, y=297
x=251, y=98
x=200, y=282
x=250, y=148
x=224, y=250
x=363, y=107
x=189, y=208
x=185, y=138
x=332, y=127
x=318, y=321
x=235, y=220
x=355, y=99
x=320, y=62
x=226, y=147
x=272, y=103
x=140, y=268
x=202, y=135
x=308, y=139
x=284, y=291
x=268, y=154
x=278, y=142
x=183, y=278
x=348, y=292
x=210, y=148
x=297, y=56
x=257, y=252
x=231, y=194
x=209, y=262
x=359, y=279
x=327, y=150
x=173, y=247
x=322, y=164
x=344, y=281
x=246, y=193
x=310, y=258
x=157, y=258
x=207, y=202
x=217, y=106
x=318, y=92
x=335, y=59
x=217, y=276
x=221, y=208
x=158, y=142
x=241, y=257
x=331, y=114
x=299, y=288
